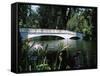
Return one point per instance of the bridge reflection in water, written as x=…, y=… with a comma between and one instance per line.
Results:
x=27, y=33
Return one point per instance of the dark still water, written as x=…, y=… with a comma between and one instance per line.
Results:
x=79, y=53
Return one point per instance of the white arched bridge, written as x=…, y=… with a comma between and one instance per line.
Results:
x=27, y=33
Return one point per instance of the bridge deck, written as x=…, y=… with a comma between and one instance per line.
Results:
x=29, y=33
x=47, y=31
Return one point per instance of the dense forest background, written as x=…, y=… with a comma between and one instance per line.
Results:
x=78, y=19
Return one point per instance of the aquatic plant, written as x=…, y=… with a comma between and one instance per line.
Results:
x=43, y=67
x=36, y=59
x=61, y=47
x=40, y=51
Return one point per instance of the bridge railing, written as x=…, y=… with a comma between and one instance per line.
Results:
x=36, y=31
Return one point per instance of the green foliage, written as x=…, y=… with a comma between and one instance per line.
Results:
x=81, y=21
x=43, y=67
x=54, y=17
x=25, y=61
x=62, y=46
x=41, y=62
x=73, y=23
x=27, y=16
